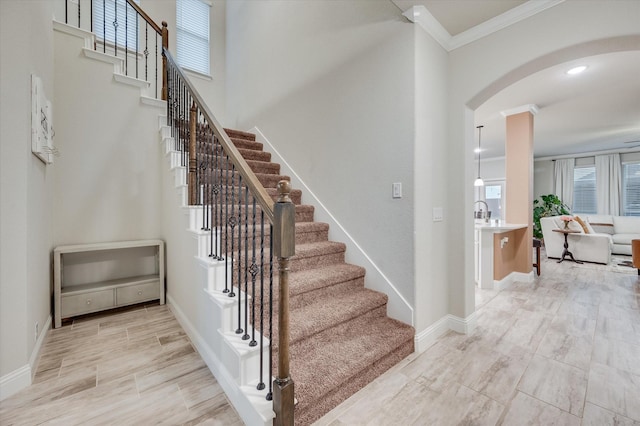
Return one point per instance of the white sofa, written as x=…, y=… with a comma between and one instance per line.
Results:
x=607, y=235
x=591, y=247
x=622, y=229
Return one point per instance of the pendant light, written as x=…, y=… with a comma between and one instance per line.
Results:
x=479, y=181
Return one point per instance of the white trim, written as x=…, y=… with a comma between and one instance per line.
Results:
x=253, y=409
x=158, y=103
x=427, y=337
x=131, y=81
x=87, y=36
x=421, y=16
x=15, y=381
x=511, y=278
x=589, y=154
x=463, y=325
x=37, y=349
x=22, y=378
x=532, y=108
x=397, y=307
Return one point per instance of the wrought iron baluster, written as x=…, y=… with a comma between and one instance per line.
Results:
x=91, y=17
x=156, y=66
x=138, y=50
x=232, y=220
x=115, y=29
x=104, y=26
x=146, y=50
x=126, y=38
x=66, y=11
x=261, y=385
x=254, y=272
x=246, y=264
x=79, y=1
x=226, y=228
x=239, y=330
x=270, y=393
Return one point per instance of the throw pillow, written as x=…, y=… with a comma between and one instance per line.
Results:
x=589, y=227
x=582, y=224
x=575, y=226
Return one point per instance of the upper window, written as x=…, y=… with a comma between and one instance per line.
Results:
x=584, y=190
x=115, y=19
x=631, y=189
x=192, y=35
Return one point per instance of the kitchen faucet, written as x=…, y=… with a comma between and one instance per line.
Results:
x=479, y=215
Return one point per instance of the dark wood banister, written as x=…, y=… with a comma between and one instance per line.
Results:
x=243, y=168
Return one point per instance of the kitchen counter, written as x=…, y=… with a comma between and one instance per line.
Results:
x=484, y=233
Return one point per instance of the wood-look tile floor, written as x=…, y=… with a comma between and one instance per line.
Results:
x=562, y=350
x=133, y=367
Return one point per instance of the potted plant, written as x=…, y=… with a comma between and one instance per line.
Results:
x=546, y=205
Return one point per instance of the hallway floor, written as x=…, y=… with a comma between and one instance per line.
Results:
x=132, y=367
x=562, y=350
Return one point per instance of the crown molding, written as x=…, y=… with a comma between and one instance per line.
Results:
x=421, y=16
x=532, y=108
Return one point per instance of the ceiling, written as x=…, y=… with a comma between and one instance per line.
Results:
x=597, y=110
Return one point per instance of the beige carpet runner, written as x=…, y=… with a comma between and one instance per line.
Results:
x=341, y=337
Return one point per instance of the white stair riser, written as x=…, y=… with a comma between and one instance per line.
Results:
x=204, y=243
x=245, y=359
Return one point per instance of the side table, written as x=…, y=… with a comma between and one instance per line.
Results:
x=566, y=251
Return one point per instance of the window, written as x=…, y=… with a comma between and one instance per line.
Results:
x=111, y=17
x=192, y=35
x=631, y=189
x=584, y=190
x=494, y=194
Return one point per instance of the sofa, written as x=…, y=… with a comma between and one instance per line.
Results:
x=599, y=238
x=622, y=230
x=587, y=247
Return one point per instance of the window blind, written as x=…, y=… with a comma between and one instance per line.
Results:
x=631, y=189
x=116, y=16
x=192, y=35
x=584, y=190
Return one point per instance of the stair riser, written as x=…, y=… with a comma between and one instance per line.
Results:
x=336, y=290
x=238, y=134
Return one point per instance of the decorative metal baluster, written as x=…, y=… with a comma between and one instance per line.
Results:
x=115, y=29
x=215, y=189
x=104, y=26
x=79, y=1
x=239, y=330
x=232, y=224
x=270, y=393
x=226, y=228
x=246, y=264
x=66, y=11
x=156, y=66
x=91, y=18
x=254, y=271
x=146, y=51
x=261, y=385
x=126, y=39
x=138, y=49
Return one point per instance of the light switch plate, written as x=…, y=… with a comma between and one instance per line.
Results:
x=396, y=190
x=438, y=215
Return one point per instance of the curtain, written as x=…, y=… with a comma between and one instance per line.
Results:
x=563, y=180
x=608, y=183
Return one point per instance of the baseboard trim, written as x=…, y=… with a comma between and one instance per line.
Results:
x=397, y=307
x=22, y=378
x=244, y=407
x=513, y=277
x=427, y=337
x=15, y=381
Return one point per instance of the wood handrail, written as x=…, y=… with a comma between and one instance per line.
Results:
x=251, y=180
x=144, y=15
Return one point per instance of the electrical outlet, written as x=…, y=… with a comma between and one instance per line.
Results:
x=438, y=215
x=35, y=338
x=396, y=190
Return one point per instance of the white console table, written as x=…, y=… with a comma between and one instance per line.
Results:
x=95, y=277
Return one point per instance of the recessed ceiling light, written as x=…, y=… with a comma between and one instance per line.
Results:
x=577, y=70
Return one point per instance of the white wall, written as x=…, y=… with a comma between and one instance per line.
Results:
x=480, y=69
x=26, y=184
x=431, y=240
x=331, y=85
x=107, y=176
x=542, y=178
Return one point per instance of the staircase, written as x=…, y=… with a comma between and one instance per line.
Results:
x=341, y=337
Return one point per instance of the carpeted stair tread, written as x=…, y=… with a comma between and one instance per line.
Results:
x=321, y=248
x=321, y=365
x=316, y=317
x=271, y=181
x=247, y=144
x=313, y=279
x=239, y=134
x=264, y=167
x=253, y=154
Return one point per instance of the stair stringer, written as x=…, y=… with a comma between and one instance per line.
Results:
x=397, y=307
x=119, y=75
x=211, y=328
